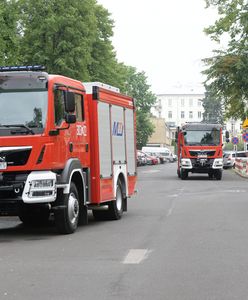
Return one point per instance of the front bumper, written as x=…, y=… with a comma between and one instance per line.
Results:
x=201, y=165
x=33, y=187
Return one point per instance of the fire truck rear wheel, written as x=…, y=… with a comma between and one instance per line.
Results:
x=115, y=207
x=66, y=219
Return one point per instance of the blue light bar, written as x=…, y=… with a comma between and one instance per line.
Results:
x=22, y=68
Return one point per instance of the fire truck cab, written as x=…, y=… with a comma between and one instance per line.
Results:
x=65, y=148
x=199, y=149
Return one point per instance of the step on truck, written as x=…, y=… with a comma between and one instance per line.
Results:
x=66, y=147
x=199, y=148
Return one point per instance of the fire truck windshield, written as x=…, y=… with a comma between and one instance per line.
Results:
x=28, y=108
x=202, y=137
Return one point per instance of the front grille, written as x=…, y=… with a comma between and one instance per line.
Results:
x=15, y=156
x=202, y=152
x=202, y=163
x=12, y=184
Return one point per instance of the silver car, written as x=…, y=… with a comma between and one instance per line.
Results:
x=229, y=158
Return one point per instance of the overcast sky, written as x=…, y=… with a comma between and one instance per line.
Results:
x=163, y=38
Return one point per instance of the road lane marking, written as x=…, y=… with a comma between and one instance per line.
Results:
x=136, y=256
x=236, y=191
x=150, y=171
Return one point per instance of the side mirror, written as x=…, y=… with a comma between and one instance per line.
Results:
x=69, y=102
x=176, y=137
x=70, y=119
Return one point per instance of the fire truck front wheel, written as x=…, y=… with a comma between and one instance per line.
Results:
x=34, y=215
x=183, y=174
x=218, y=174
x=67, y=217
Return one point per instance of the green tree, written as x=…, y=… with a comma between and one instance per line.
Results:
x=9, y=37
x=72, y=38
x=59, y=35
x=104, y=63
x=213, y=110
x=136, y=86
x=227, y=70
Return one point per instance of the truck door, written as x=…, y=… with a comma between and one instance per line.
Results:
x=80, y=135
x=72, y=141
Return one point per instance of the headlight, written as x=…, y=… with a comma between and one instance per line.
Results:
x=43, y=183
x=40, y=187
x=218, y=163
x=186, y=163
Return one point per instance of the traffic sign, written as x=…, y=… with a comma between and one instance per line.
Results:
x=245, y=123
x=235, y=140
x=245, y=136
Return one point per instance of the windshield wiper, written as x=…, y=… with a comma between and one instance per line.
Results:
x=29, y=130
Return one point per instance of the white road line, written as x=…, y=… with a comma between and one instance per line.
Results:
x=173, y=196
x=136, y=256
x=150, y=171
x=170, y=211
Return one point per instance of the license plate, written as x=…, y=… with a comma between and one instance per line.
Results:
x=3, y=165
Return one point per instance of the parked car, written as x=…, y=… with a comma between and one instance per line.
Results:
x=152, y=160
x=141, y=158
x=163, y=153
x=229, y=158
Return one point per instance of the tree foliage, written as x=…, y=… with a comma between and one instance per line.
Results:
x=213, y=110
x=227, y=70
x=9, y=37
x=72, y=38
x=136, y=86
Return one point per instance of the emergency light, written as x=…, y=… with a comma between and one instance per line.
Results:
x=22, y=68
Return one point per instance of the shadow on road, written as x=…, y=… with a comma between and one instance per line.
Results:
x=11, y=229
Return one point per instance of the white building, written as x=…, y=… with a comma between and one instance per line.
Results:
x=184, y=104
x=178, y=107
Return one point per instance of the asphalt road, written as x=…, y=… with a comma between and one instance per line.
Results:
x=178, y=240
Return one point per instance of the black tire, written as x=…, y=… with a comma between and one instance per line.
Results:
x=210, y=175
x=218, y=174
x=115, y=208
x=34, y=215
x=183, y=174
x=67, y=217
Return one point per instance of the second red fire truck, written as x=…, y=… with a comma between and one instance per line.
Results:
x=65, y=147
x=200, y=150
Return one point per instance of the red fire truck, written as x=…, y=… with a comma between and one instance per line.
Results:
x=65, y=148
x=200, y=150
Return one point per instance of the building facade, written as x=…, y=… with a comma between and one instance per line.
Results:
x=179, y=108
x=162, y=135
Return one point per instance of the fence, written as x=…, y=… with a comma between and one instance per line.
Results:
x=241, y=166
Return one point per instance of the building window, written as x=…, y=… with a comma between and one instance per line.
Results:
x=170, y=114
x=169, y=102
x=182, y=102
x=182, y=115
x=199, y=114
x=190, y=102
x=199, y=103
x=191, y=114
